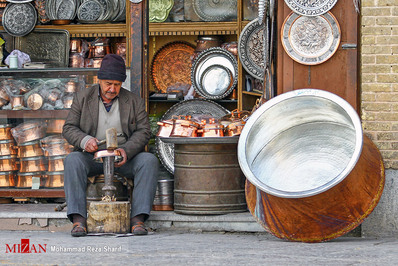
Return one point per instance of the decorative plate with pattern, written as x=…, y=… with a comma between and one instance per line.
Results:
x=90, y=10
x=310, y=7
x=171, y=66
x=310, y=40
x=159, y=10
x=215, y=10
x=19, y=19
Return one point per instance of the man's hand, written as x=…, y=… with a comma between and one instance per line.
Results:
x=124, y=155
x=91, y=145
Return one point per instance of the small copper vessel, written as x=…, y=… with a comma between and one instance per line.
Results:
x=75, y=45
x=71, y=86
x=185, y=128
x=165, y=128
x=55, y=146
x=54, y=179
x=54, y=126
x=32, y=164
x=99, y=155
x=56, y=163
x=7, y=147
x=210, y=129
x=17, y=102
x=30, y=149
x=24, y=180
x=76, y=60
x=8, y=163
x=235, y=128
x=5, y=132
x=7, y=179
x=35, y=101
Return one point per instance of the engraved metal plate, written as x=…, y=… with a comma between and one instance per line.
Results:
x=216, y=82
x=210, y=57
x=66, y=9
x=310, y=7
x=90, y=10
x=193, y=107
x=159, y=10
x=49, y=46
x=215, y=10
x=251, y=48
x=19, y=19
x=310, y=40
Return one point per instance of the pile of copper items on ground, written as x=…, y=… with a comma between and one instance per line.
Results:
x=204, y=126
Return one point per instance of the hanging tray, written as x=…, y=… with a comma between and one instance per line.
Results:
x=19, y=19
x=193, y=107
x=310, y=40
x=310, y=8
x=171, y=66
x=159, y=10
x=50, y=46
x=251, y=48
x=210, y=10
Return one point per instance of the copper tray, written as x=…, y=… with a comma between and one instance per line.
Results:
x=171, y=66
x=53, y=51
x=310, y=40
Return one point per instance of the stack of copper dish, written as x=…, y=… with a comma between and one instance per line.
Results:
x=55, y=148
x=29, y=161
x=8, y=157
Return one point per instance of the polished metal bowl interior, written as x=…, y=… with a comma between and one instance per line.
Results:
x=300, y=143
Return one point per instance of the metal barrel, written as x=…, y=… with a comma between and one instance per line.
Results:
x=164, y=197
x=208, y=179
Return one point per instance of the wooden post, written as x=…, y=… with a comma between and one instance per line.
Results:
x=108, y=217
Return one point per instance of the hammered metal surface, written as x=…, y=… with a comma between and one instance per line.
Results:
x=251, y=48
x=171, y=66
x=310, y=7
x=193, y=107
x=53, y=51
x=310, y=40
x=19, y=19
x=300, y=143
x=215, y=10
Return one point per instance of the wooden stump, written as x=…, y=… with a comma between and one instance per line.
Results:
x=108, y=217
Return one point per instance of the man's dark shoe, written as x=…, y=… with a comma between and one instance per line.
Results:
x=138, y=229
x=78, y=230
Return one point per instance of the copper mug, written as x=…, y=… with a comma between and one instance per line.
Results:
x=32, y=164
x=7, y=147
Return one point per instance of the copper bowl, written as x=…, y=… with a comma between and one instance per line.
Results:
x=99, y=155
x=7, y=147
x=30, y=149
x=55, y=146
x=56, y=163
x=32, y=164
x=28, y=131
x=54, y=179
x=54, y=126
x=8, y=163
x=206, y=42
x=24, y=180
x=5, y=132
x=7, y=179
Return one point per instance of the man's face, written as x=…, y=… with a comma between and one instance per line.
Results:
x=109, y=89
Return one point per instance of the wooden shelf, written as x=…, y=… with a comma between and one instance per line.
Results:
x=193, y=28
x=252, y=93
x=29, y=114
x=32, y=193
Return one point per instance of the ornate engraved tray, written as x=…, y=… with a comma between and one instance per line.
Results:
x=49, y=46
x=251, y=48
x=171, y=66
x=211, y=57
x=215, y=10
x=310, y=40
x=159, y=10
x=193, y=107
x=19, y=19
x=310, y=8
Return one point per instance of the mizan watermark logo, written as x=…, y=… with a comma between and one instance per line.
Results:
x=26, y=247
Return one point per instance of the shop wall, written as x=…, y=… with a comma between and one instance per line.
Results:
x=379, y=104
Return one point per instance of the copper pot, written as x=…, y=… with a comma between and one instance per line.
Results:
x=8, y=163
x=231, y=47
x=5, y=132
x=206, y=42
x=17, y=102
x=24, y=180
x=35, y=101
x=7, y=179
x=75, y=45
x=55, y=146
x=54, y=179
x=184, y=128
x=165, y=128
x=54, y=126
x=99, y=50
x=76, y=60
x=212, y=129
x=28, y=131
x=235, y=128
x=56, y=163
x=32, y=164
x=7, y=147
x=30, y=149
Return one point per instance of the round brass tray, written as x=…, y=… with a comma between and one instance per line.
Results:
x=171, y=66
x=310, y=40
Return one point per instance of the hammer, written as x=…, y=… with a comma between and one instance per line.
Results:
x=111, y=144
